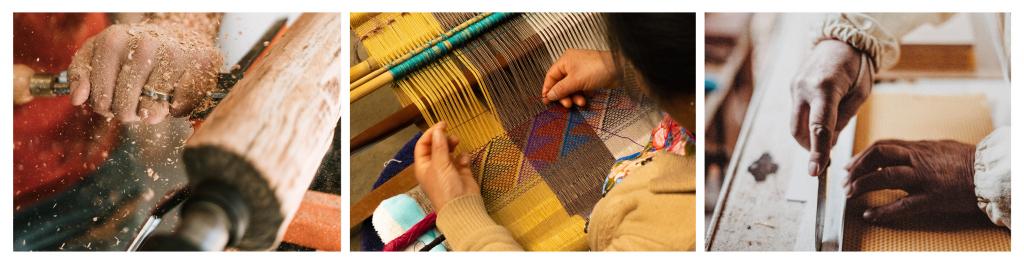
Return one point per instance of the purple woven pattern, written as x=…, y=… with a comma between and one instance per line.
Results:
x=569, y=156
x=561, y=147
x=582, y=163
x=542, y=143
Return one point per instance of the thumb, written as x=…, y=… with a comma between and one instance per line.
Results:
x=79, y=72
x=439, y=152
x=463, y=167
x=563, y=88
x=554, y=74
x=466, y=174
x=821, y=123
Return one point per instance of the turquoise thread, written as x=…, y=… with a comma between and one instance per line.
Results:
x=442, y=48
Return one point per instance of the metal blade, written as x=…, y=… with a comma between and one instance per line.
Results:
x=819, y=218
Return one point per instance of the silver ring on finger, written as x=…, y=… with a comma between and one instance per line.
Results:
x=156, y=95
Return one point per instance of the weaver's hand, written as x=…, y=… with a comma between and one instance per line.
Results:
x=938, y=175
x=577, y=72
x=829, y=88
x=440, y=174
x=114, y=68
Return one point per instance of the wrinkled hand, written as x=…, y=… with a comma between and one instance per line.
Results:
x=576, y=72
x=442, y=176
x=829, y=88
x=114, y=67
x=937, y=175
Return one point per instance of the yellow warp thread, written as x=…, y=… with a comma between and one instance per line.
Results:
x=442, y=90
x=540, y=223
x=388, y=36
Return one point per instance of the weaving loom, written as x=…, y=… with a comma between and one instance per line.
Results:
x=540, y=167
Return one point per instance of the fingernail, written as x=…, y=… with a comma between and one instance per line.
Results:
x=814, y=169
x=438, y=134
x=869, y=216
x=818, y=131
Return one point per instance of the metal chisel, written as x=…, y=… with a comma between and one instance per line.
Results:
x=819, y=217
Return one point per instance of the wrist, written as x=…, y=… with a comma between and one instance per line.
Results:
x=859, y=37
x=465, y=212
x=440, y=203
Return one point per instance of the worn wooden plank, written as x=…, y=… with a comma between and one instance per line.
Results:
x=755, y=215
x=401, y=183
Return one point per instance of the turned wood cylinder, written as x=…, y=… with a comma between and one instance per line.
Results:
x=267, y=137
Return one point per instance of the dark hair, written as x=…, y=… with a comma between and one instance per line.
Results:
x=660, y=46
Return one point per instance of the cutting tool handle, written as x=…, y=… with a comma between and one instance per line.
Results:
x=29, y=84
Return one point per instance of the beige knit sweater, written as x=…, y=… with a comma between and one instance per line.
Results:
x=652, y=209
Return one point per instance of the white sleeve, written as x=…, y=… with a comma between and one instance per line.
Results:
x=992, y=176
x=877, y=35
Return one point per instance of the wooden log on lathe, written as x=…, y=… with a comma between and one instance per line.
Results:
x=267, y=138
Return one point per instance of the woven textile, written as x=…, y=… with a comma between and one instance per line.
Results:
x=540, y=167
x=964, y=118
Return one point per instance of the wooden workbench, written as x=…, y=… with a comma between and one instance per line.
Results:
x=755, y=215
x=761, y=215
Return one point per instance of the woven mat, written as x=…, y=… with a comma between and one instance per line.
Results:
x=964, y=118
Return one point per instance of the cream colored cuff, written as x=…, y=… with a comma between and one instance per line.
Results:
x=865, y=34
x=992, y=176
x=467, y=226
x=464, y=214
